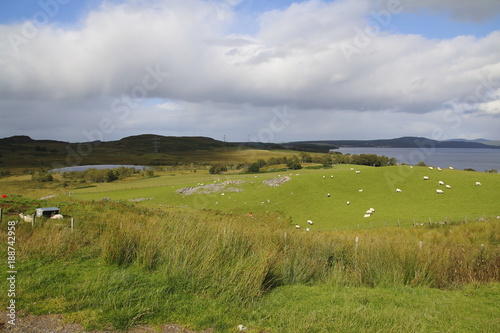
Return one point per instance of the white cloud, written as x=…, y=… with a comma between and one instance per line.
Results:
x=296, y=59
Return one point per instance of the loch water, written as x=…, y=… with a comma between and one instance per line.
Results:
x=479, y=159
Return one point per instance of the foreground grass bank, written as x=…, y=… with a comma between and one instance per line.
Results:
x=122, y=266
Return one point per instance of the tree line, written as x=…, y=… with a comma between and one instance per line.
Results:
x=295, y=162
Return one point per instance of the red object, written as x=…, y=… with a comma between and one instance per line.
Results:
x=4, y=196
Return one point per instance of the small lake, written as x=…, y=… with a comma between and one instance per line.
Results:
x=98, y=166
x=479, y=159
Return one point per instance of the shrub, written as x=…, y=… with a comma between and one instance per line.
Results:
x=217, y=168
x=254, y=168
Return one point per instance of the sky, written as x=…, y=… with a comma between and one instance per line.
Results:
x=250, y=70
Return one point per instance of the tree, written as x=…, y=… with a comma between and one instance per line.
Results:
x=217, y=168
x=293, y=163
x=254, y=168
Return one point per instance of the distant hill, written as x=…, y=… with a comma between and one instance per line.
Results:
x=484, y=141
x=403, y=142
x=146, y=149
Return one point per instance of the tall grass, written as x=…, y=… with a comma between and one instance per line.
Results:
x=238, y=260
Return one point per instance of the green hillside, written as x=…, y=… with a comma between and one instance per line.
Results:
x=305, y=196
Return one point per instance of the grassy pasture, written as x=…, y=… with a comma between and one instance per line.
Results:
x=305, y=195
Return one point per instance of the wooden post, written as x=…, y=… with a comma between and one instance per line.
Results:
x=420, y=244
x=33, y=221
x=0, y=214
x=399, y=224
x=72, y=224
x=356, y=240
x=284, y=235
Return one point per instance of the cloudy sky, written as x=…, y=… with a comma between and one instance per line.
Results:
x=259, y=70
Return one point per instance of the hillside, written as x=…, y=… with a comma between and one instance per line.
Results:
x=147, y=149
x=403, y=142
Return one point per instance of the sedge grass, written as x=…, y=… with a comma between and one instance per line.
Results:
x=203, y=269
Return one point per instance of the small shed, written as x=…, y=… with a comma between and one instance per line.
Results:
x=47, y=211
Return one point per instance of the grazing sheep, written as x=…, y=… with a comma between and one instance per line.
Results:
x=372, y=209
x=310, y=222
x=361, y=190
x=328, y=195
x=398, y=190
x=56, y=217
x=478, y=184
x=451, y=168
x=324, y=177
x=297, y=226
x=331, y=176
x=426, y=178
x=439, y=169
x=448, y=186
x=307, y=229
x=439, y=191
x=358, y=171
x=431, y=168
x=441, y=182
x=369, y=211
x=348, y=202
x=367, y=215
x=26, y=218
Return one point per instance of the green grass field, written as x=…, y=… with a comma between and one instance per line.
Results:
x=305, y=197
x=199, y=261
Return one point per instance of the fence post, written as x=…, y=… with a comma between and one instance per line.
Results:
x=356, y=240
x=72, y=224
x=284, y=235
x=33, y=221
x=420, y=244
x=0, y=214
x=399, y=224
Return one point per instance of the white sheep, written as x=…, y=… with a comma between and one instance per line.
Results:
x=426, y=178
x=441, y=182
x=361, y=190
x=372, y=209
x=369, y=212
x=26, y=218
x=439, y=169
x=310, y=222
x=367, y=215
x=478, y=184
x=324, y=177
x=328, y=195
x=451, y=168
x=348, y=202
x=448, y=186
x=56, y=217
x=431, y=168
x=297, y=226
x=307, y=229
x=439, y=191
x=358, y=171
x=398, y=190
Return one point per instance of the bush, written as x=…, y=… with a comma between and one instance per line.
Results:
x=254, y=168
x=294, y=163
x=41, y=177
x=217, y=168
